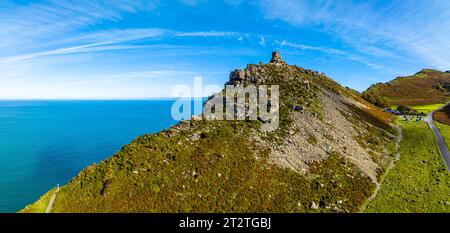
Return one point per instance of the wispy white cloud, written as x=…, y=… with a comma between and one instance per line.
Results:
x=112, y=85
x=113, y=36
x=262, y=41
x=142, y=74
x=21, y=25
x=192, y=2
x=414, y=29
x=114, y=39
x=86, y=36
x=70, y=50
x=336, y=53
x=207, y=34
x=233, y=2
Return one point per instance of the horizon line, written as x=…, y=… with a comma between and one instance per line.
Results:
x=100, y=99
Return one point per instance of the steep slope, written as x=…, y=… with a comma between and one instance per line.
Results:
x=326, y=157
x=425, y=87
x=443, y=115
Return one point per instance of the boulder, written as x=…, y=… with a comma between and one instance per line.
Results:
x=314, y=206
x=196, y=118
x=306, y=84
x=296, y=107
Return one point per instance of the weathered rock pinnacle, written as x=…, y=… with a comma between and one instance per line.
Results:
x=276, y=59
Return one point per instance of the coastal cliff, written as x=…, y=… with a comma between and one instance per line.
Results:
x=327, y=155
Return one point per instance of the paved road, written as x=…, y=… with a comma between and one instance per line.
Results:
x=441, y=143
x=50, y=203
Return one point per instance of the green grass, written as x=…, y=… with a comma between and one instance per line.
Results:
x=445, y=131
x=420, y=181
x=41, y=205
x=427, y=108
x=212, y=175
x=423, y=108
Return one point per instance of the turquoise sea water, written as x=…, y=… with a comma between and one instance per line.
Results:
x=45, y=143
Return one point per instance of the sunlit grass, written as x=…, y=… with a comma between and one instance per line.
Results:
x=422, y=108
x=41, y=205
x=420, y=181
x=427, y=108
x=445, y=131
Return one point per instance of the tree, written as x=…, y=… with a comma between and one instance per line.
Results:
x=405, y=110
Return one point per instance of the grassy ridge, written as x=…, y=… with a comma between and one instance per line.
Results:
x=420, y=182
x=222, y=166
x=425, y=87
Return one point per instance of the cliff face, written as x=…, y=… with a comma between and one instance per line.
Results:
x=326, y=156
x=425, y=87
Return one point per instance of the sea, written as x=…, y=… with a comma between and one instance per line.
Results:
x=45, y=143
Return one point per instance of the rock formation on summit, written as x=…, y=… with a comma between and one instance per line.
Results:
x=276, y=59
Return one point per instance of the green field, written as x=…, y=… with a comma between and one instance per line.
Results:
x=423, y=108
x=420, y=181
x=427, y=108
x=445, y=131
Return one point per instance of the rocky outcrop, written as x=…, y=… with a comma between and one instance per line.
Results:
x=276, y=59
x=251, y=74
x=257, y=73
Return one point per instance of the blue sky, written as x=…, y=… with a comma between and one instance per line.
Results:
x=140, y=49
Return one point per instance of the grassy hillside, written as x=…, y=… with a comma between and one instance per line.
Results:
x=445, y=132
x=420, y=181
x=41, y=205
x=325, y=158
x=425, y=87
x=443, y=115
